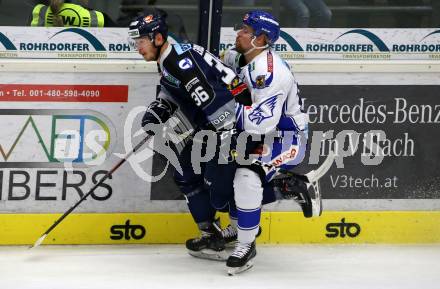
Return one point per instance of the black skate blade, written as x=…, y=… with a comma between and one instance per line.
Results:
x=237, y=270
x=210, y=254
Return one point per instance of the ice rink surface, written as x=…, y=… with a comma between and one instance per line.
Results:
x=169, y=266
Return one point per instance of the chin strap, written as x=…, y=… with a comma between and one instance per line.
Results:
x=158, y=48
x=254, y=46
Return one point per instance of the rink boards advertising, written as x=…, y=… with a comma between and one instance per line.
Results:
x=62, y=130
x=352, y=44
x=322, y=43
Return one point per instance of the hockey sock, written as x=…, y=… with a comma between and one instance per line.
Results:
x=248, y=196
x=233, y=215
x=248, y=224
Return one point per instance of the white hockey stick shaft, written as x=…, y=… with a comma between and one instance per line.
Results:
x=315, y=175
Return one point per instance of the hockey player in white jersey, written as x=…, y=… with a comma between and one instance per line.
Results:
x=276, y=107
x=271, y=111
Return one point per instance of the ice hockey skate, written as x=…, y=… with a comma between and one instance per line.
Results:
x=230, y=234
x=241, y=259
x=305, y=190
x=210, y=245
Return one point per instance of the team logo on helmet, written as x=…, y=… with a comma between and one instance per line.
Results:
x=148, y=18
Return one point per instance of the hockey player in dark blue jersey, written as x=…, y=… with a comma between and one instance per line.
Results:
x=192, y=78
x=203, y=92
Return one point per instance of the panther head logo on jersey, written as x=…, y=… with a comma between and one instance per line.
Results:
x=264, y=110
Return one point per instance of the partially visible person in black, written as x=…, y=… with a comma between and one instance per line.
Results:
x=59, y=13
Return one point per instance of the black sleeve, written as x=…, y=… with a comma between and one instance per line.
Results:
x=108, y=22
x=240, y=91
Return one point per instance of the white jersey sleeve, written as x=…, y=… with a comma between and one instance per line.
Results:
x=231, y=57
x=274, y=96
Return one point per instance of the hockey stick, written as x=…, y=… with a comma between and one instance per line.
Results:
x=314, y=175
x=311, y=179
x=105, y=177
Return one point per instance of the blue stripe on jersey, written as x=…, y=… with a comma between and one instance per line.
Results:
x=287, y=123
x=295, y=124
x=248, y=219
x=286, y=64
x=239, y=117
x=269, y=80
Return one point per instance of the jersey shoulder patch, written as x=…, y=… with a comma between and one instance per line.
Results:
x=170, y=78
x=180, y=59
x=261, y=71
x=186, y=63
x=181, y=47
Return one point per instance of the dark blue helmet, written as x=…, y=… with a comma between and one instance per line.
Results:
x=263, y=22
x=149, y=26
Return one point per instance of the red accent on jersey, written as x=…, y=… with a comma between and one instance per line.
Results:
x=269, y=62
x=239, y=89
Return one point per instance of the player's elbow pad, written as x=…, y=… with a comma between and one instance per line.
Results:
x=159, y=111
